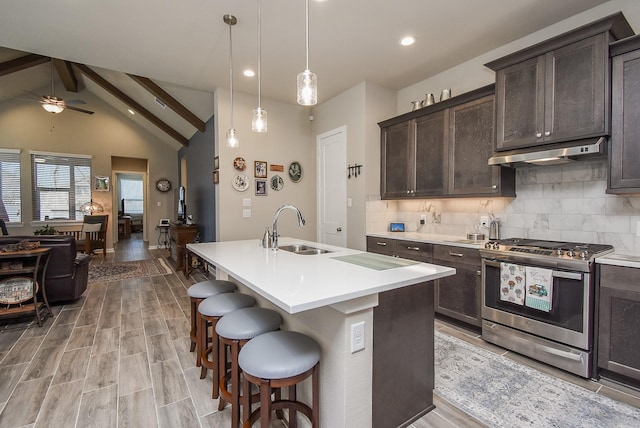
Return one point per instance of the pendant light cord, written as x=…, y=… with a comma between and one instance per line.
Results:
x=306, y=12
x=231, y=72
x=259, y=51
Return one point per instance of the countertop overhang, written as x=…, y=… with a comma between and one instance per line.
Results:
x=297, y=283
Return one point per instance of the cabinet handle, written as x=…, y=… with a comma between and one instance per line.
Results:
x=538, y=134
x=456, y=254
x=383, y=244
x=408, y=192
x=494, y=187
x=413, y=248
x=547, y=133
x=479, y=273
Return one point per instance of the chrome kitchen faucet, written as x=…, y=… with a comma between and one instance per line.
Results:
x=274, y=229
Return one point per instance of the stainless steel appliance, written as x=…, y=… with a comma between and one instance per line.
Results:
x=563, y=336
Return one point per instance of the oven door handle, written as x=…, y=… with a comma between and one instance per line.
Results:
x=567, y=275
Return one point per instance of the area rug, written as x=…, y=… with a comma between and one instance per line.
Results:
x=108, y=272
x=501, y=393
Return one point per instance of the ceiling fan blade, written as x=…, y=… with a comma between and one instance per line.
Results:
x=81, y=110
x=74, y=102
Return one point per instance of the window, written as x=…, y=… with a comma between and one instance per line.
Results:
x=10, y=198
x=61, y=184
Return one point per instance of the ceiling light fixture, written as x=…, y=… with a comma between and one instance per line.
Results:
x=249, y=73
x=53, y=104
x=259, y=120
x=407, y=41
x=232, y=137
x=307, y=80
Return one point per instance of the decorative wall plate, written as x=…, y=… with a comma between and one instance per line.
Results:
x=16, y=290
x=239, y=164
x=295, y=172
x=240, y=182
x=277, y=183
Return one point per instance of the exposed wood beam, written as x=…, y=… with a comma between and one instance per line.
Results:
x=166, y=98
x=21, y=63
x=102, y=82
x=66, y=74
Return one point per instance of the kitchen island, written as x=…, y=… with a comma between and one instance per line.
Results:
x=324, y=295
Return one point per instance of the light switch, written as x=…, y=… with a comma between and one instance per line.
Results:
x=246, y=213
x=246, y=202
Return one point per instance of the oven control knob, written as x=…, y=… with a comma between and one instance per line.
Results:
x=584, y=254
x=488, y=245
x=559, y=252
x=571, y=253
x=495, y=245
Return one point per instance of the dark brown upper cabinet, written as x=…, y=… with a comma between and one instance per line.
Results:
x=557, y=90
x=624, y=149
x=442, y=150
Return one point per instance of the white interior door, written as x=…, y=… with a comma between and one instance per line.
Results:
x=332, y=187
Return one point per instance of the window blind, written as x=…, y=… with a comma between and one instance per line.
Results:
x=61, y=184
x=10, y=196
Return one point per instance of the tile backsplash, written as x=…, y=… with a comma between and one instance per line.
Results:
x=560, y=202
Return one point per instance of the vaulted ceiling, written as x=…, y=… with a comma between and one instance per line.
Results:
x=132, y=53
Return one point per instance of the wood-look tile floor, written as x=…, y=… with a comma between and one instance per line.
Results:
x=119, y=357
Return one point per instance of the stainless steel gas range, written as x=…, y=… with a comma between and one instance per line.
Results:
x=538, y=299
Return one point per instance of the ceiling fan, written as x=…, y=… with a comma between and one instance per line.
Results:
x=54, y=104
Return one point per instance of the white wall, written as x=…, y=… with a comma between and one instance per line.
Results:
x=288, y=139
x=562, y=202
x=25, y=125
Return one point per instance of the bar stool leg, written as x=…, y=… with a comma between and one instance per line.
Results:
x=293, y=415
x=194, y=329
x=265, y=403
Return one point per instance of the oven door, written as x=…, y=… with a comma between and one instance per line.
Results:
x=568, y=321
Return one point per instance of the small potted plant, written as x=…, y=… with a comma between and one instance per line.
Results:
x=46, y=230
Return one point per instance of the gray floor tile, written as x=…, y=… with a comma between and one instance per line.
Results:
x=201, y=390
x=58, y=335
x=131, y=320
x=186, y=357
x=73, y=366
x=180, y=414
x=179, y=327
x=137, y=410
x=44, y=363
x=60, y=407
x=67, y=316
x=168, y=382
x=103, y=371
x=106, y=340
x=171, y=310
x=23, y=351
x=134, y=373
x=132, y=342
x=109, y=319
x=160, y=348
x=9, y=377
x=154, y=325
x=99, y=408
x=88, y=317
x=81, y=337
x=24, y=404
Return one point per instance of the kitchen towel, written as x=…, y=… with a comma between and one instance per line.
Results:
x=512, y=282
x=539, y=288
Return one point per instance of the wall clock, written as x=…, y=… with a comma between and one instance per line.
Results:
x=163, y=185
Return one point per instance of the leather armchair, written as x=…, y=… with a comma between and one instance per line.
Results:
x=67, y=272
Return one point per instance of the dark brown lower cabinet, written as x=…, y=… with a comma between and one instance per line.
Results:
x=459, y=296
x=403, y=356
x=619, y=321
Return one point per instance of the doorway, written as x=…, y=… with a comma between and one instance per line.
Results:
x=129, y=191
x=332, y=187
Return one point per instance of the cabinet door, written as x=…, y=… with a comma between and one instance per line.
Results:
x=575, y=90
x=384, y=246
x=397, y=160
x=458, y=296
x=520, y=104
x=431, y=133
x=471, y=144
x=624, y=159
x=619, y=321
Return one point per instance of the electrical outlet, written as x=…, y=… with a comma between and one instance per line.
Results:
x=423, y=218
x=484, y=220
x=357, y=337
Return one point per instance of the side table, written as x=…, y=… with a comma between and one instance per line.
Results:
x=163, y=236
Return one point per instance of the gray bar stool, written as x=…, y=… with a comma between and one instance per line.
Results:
x=280, y=359
x=211, y=310
x=234, y=331
x=197, y=293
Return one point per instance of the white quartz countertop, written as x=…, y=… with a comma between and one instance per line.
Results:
x=297, y=283
x=616, y=259
x=432, y=238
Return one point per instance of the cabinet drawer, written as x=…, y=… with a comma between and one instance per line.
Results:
x=419, y=251
x=454, y=254
x=381, y=245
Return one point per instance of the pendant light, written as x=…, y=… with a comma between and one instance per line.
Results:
x=307, y=80
x=259, y=120
x=232, y=137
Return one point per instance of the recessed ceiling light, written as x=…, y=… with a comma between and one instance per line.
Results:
x=131, y=111
x=407, y=41
x=249, y=73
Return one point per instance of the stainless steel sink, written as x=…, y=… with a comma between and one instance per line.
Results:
x=303, y=249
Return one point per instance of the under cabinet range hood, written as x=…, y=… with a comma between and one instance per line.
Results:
x=552, y=154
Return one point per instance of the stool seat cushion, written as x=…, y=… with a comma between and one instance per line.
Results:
x=279, y=354
x=222, y=304
x=248, y=323
x=204, y=289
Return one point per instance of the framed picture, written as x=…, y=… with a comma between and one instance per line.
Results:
x=101, y=184
x=216, y=163
x=261, y=187
x=277, y=168
x=216, y=177
x=260, y=169
x=295, y=172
